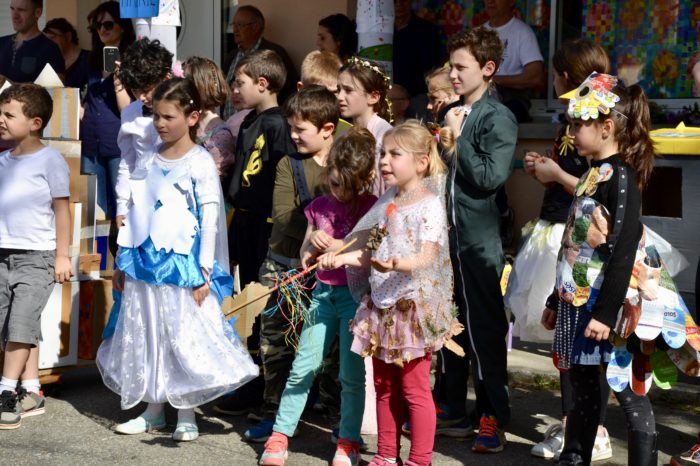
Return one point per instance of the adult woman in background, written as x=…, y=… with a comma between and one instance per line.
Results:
x=65, y=36
x=336, y=34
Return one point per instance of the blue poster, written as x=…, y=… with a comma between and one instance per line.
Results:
x=138, y=8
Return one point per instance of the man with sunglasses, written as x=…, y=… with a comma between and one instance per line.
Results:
x=25, y=53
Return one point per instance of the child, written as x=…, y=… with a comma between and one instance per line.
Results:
x=144, y=66
x=610, y=126
x=408, y=312
x=481, y=161
x=320, y=68
x=350, y=170
x=171, y=342
x=573, y=62
x=362, y=95
x=441, y=95
x=263, y=140
x=312, y=114
x=34, y=236
x=213, y=133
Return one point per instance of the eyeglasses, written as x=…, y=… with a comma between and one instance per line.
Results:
x=242, y=25
x=97, y=25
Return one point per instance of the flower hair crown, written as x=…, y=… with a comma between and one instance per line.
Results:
x=593, y=97
x=357, y=61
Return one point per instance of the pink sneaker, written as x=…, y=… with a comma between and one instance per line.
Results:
x=381, y=461
x=347, y=453
x=275, y=453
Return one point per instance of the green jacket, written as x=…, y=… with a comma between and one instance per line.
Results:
x=481, y=164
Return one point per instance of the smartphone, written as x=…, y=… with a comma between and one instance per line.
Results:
x=110, y=57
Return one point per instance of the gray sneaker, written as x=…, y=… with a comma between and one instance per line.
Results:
x=30, y=404
x=9, y=416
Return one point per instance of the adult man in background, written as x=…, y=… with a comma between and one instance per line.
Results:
x=25, y=53
x=523, y=66
x=248, y=28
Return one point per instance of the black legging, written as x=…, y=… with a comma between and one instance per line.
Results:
x=567, y=395
x=584, y=418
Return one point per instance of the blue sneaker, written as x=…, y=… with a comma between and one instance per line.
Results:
x=449, y=426
x=260, y=432
x=491, y=439
x=335, y=433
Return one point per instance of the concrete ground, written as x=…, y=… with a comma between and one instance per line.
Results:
x=76, y=429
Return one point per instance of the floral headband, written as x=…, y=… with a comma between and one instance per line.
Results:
x=593, y=97
x=357, y=61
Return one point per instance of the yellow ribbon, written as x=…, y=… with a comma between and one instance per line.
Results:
x=255, y=162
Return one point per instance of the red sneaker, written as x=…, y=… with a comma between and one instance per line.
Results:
x=275, y=453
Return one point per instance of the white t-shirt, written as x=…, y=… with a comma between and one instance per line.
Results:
x=28, y=185
x=520, y=47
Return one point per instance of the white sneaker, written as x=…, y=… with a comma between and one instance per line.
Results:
x=552, y=444
x=602, y=449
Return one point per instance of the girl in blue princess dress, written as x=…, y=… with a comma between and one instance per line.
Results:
x=171, y=342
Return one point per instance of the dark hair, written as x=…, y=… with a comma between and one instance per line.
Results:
x=183, y=93
x=353, y=156
x=484, y=44
x=315, y=104
x=36, y=102
x=255, y=13
x=62, y=25
x=632, y=122
x=209, y=80
x=343, y=31
x=38, y=4
x=372, y=78
x=145, y=64
x=264, y=64
x=111, y=8
x=578, y=59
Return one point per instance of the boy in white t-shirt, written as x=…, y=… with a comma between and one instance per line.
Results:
x=34, y=237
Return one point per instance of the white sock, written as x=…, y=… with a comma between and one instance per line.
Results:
x=186, y=415
x=390, y=460
x=153, y=410
x=8, y=385
x=32, y=385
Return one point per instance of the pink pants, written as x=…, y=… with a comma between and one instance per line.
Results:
x=395, y=384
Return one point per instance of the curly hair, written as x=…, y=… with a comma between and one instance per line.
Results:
x=352, y=157
x=183, y=93
x=36, y=102
x=145, y=64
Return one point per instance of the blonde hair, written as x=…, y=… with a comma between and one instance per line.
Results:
x=320, y=68
x=415, y=138
x=441, y=79
x=209, y=81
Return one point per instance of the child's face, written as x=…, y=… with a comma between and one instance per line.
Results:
x=336, y=187
x=14, y=124
x=170, y=122
x=247, y=90
x=307, y=137
x=145, y=96
x=353, y=100
x=399, y=167
x=438, y=98
x=587, y=136
x=467, y=76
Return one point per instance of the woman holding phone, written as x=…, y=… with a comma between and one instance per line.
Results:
x=103, y=102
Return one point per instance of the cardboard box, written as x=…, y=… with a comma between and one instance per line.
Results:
x=65, y=119
x=59, y=327
x=95, y=306
x=89, y=266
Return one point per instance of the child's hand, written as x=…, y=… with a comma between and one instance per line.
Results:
x=546, y=170
x=529, y=161
x=62, y=269
x=119, y=220
x=320, y=240
x=549, y=318
x=308, y=258
x=118, y=280
x=597, y=330
x=454, y=119
x=385, y=266
x=201, y=292
x=330, y=261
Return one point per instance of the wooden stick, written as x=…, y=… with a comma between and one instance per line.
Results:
x=286, y=282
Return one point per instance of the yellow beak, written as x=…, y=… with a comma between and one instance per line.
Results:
x=569, y=95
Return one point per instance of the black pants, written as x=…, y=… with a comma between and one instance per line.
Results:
x=478, y=296
x=584, y=417
x=567, y=394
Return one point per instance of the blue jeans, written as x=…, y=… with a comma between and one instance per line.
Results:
x=106, y=169
x=332, y=308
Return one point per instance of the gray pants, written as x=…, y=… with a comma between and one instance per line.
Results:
x=26, y=282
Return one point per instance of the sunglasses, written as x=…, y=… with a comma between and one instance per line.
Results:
x=97, y=25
